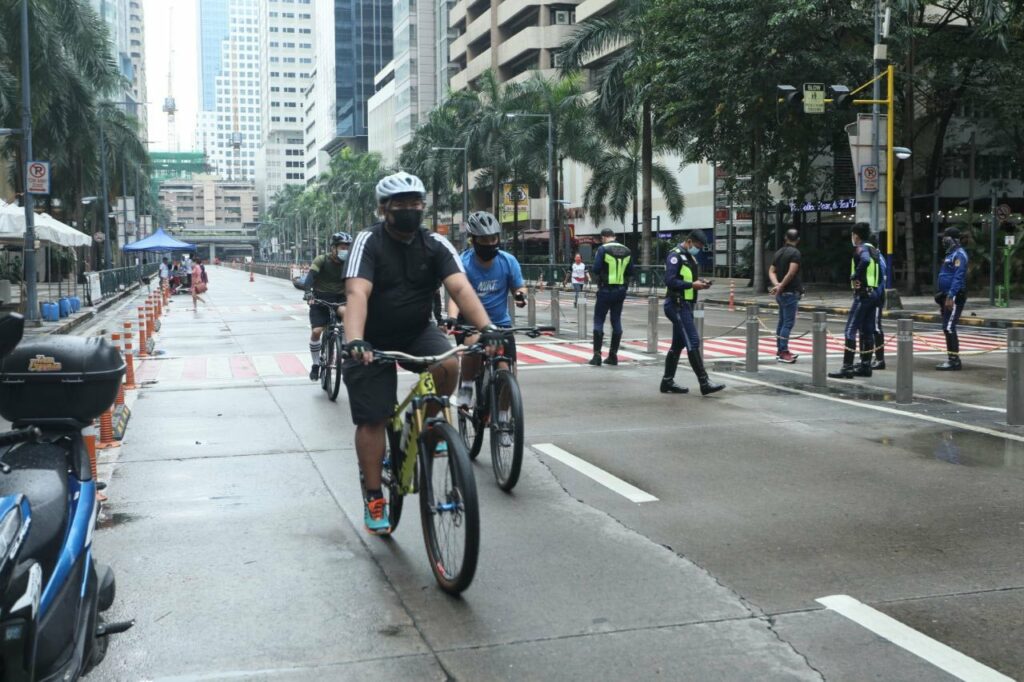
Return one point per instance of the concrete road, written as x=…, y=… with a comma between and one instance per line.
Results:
x=234, y=526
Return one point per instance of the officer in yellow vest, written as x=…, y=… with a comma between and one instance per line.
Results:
x=867, y=284
x=613, y=268
x=682, y=286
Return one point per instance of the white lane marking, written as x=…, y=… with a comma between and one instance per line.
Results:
x=218, y=367
x=171, y=369
x=266, y=365
x=613, y=483
x=880, y=408
x=883, y=389
x=540, y=355
x=938, y=654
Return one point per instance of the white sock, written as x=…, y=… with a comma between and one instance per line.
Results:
x=467, y=384
x=314, y=351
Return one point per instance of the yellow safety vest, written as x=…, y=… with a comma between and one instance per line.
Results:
x=686, y=273
x=872, y=271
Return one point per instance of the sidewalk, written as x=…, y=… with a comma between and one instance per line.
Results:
x=68, y=324
x=919, y=308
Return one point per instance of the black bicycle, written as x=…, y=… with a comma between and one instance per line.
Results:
x=332, y=343
x=498, y=408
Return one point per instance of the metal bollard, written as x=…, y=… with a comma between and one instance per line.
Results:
x=904, y=361
x=819, y=350
x=512, y=307
x=698, y=318
x=531, y=307
x=556, y=314
x=652, y=325
x=752, y=347
x=1015, y=376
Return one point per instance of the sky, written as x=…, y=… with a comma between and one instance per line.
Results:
x=167, y=22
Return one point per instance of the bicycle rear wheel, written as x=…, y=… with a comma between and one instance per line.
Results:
x=449, y=509
x=326, y=362
x=506, y=430
x=334, y=385
x=471, y=430
x=389, y=478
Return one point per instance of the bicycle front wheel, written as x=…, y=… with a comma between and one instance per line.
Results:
x=449, y=509
x=506, y=430
x=391, y=485
x=326, y=362
x=334, y=384
x=471, y=430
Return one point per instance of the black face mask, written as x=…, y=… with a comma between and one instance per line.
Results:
x=948, y=243
x=486, y=252
x=406, y=220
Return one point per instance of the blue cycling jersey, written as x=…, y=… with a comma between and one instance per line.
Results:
x=493, y=281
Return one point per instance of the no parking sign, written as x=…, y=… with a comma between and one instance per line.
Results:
x=37, y=174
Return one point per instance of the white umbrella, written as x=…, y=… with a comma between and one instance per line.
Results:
x=65, y=235
x=47, y=228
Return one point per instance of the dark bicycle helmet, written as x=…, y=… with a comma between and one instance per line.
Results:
x=341, y=238
x=483, y=224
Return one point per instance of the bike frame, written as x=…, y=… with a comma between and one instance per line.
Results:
x=424, y=392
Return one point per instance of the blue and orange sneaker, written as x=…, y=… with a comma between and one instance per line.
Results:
x=375, y=516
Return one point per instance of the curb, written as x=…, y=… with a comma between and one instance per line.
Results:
x=994, y=322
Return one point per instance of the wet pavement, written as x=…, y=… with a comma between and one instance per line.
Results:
x=234, y=524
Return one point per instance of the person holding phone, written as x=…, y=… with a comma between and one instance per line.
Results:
x=681, y=269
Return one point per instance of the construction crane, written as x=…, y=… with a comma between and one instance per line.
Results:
x=170, y=107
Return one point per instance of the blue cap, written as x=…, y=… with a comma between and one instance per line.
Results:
x=698, y=236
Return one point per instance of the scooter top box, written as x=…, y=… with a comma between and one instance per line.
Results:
x=60, y=377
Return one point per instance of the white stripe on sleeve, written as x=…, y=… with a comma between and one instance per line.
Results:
x=355, y=259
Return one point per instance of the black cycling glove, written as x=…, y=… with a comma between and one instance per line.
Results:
x=357, y=347
x=491, y=337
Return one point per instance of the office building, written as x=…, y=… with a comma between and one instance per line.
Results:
x=414, y=62
x=118, y=16
x=381, y=122
x=287, y=55
x=353, y=40
x=137, y=53
x=210, y=201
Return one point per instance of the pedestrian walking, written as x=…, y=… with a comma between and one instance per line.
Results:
x=788, y=291
x=612, y=267
x=952, y=295
x=865, y=279
x=681, y=269
x=199, y=283
x=579, y=276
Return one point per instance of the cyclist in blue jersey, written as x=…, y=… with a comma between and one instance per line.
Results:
x=493, y=273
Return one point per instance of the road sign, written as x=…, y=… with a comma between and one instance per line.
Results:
x=1003, y=212
x=814, y=98
x=38, y=175
x=869, y=178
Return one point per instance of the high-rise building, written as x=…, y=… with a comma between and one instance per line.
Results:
x=137, y=52
x=286, y=66
x=230, y=133
x=380, y=132
x=441, y=62
x=117, y=15
x=510, y=38
x=416, y=90
x=353, y=41
x=212, y=17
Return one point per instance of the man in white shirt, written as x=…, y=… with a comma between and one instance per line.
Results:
x=579, y=277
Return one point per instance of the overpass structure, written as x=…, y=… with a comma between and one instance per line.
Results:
x=215, y=241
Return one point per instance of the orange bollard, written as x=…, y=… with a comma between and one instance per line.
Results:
x=89, y=436
x=251, y=278
x=149, y=319
x=732, y=295
x=107, y=431
x=142, y=333
x=129, y=360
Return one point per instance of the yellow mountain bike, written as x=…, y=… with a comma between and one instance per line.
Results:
x=426, y=455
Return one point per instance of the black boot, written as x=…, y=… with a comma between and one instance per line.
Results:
x=952, y=364
x=697, y=363
x=864, y=368
x=598, y=340
x=668, y=384
x=613, y=349
x=879, y=362
x=846, y=371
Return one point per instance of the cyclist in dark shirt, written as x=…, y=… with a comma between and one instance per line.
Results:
x=393, y=271
x=325, y=281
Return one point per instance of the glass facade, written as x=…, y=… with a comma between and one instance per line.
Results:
x=363, y=46
x=213, y=30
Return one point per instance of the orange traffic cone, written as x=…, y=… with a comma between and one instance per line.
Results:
x=142, y=333
x=89, y=436
x=129, y=360
x=107, y=430
x=149, y=319
x=732, y=295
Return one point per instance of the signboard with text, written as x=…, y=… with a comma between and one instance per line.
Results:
x=515, y=203
x=869, y=178
x=814, y=98
x=37, y=174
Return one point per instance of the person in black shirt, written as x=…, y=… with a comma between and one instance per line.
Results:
x=394, y=269
x=787, y=287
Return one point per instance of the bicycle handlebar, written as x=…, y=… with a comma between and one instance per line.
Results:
x=532, y=332
x=396, y=356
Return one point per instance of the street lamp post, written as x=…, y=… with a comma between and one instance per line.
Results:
x=107, y=258
x=31, y=301
x=465, y=178
x=551, y=180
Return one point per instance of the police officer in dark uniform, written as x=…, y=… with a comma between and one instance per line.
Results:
x=865, y=279
x=680, y=299
x=613, y=267
x=952, y=295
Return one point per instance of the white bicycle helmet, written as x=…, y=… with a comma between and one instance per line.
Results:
x=483, y=224
x=399, y=183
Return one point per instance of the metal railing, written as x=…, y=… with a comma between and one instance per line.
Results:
x=645, y=281
x=119, y=279
x=278, y=270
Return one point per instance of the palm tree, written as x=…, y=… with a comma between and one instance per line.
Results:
x=439, y=170
x=618, y=99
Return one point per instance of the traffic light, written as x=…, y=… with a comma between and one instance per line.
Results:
x=842, y=100
x=790, y=98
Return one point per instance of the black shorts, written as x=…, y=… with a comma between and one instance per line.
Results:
x=372, y=389
x=320, y=315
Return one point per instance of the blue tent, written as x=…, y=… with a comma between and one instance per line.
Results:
x=159, y=242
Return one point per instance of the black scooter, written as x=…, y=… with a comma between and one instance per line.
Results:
x=52, y=591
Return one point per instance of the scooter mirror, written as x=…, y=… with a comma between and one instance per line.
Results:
x=11, y=328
